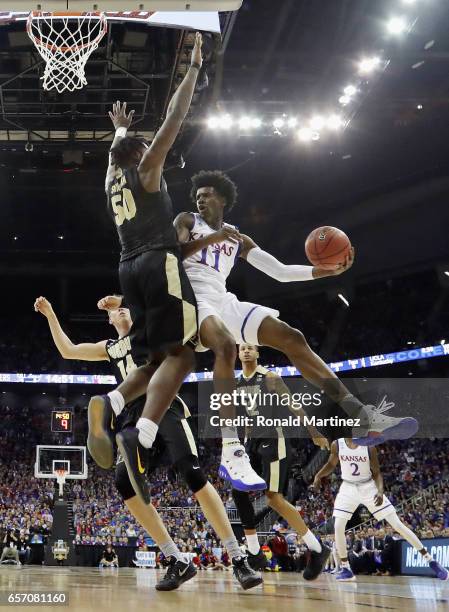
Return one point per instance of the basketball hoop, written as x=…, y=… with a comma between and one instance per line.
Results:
x=65, y=41
x=60, y=477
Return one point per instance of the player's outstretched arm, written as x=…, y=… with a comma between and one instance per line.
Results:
x=150, y=167
x=328, y=468
x=85, y=352
x=121, y=121
x=265, y=262
x=184, y=223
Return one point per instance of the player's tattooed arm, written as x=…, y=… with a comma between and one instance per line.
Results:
x=150, y=167
x=86, y=351
x=328, y=468
x=184, y=223
x=276, y=384
x=377, y=475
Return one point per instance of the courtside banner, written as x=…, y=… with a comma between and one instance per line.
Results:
x=414, y=564
x=207, y=21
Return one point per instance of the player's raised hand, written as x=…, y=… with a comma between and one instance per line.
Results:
x=119, y=117
x=110, y=302
x=197, y=57
x=227, y=233
x=43, y=306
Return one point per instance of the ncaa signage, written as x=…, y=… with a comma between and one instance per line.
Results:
x=413, y=563
x=145, y=558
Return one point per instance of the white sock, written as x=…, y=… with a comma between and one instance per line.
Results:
x=311, y=542
x=147, y=432
x=169, y=549
x=345, y=564
x=252, y=543
x=117, y=401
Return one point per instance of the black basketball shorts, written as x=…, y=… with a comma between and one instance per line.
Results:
x=271, y=458
x=174, y=435
x=162, y=303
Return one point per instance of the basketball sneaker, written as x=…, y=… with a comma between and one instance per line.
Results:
x=257, y=562
x=381, y=428
x=100, y=439
x=136, y=458
x=345, y=575
x=236, y=467
x=440, y=572
x=247, y=577
x=177, y=573
x=316, y=563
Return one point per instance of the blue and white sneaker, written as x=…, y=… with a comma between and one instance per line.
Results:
x=440, y=572
x=382, y=428
x=236, y=468
x=345, y=575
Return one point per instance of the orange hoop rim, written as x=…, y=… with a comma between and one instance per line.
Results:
x=61, y=473
x=37, y=15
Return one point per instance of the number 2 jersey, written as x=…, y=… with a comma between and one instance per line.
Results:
x=354, y=462
x=144, y=220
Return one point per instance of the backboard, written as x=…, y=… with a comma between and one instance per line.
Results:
x=52, y=457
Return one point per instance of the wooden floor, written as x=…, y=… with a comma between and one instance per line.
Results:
x=128, y=590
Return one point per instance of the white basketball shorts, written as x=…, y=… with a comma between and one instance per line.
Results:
x=350, y=496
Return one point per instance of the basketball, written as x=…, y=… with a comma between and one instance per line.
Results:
x=327, y=246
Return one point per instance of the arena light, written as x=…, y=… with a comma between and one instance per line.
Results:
x=334, y=122
x=408, y=1
x=226, y=122
x=305, y=134
x=292, y=122
x=446, y=272
x=343, y=299
x=368, y=64
x=278, y=123
x=317, y=122
x=245, y=123
x=350, y=90
x=256, y=122
x=213, y=123
x=397, y=25
x=344, y=100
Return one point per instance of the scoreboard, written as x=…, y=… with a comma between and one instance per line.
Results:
x=61, y=421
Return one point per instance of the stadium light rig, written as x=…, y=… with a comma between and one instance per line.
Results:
x=343, y=299
x=397, y=25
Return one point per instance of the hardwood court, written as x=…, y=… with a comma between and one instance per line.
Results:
x=126, y=590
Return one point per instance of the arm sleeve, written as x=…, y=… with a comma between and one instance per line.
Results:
x=268, y=264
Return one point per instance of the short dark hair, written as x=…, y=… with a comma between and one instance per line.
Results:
x=220, y=181
x=122, y=153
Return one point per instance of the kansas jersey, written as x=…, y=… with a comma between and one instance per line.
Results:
x=354, y=462
x=208, y=269
x=144, y=220
x=267, y=406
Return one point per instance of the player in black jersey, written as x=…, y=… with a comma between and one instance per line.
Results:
x=270, y=452
x=174, y=432
x=153, y=280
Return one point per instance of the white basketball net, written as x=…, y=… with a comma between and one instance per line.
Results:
x=65, y=42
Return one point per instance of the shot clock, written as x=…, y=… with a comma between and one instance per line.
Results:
x=61, y=421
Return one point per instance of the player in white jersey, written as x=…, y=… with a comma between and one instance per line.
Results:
x=363, y=485
x=210, y=250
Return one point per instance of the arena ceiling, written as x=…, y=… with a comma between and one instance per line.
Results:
x=383, y=178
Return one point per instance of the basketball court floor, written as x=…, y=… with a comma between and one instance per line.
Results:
x=123, y=590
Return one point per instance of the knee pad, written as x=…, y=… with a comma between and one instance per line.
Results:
x=245, y=509
x=189, y=468
x=122, y=481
